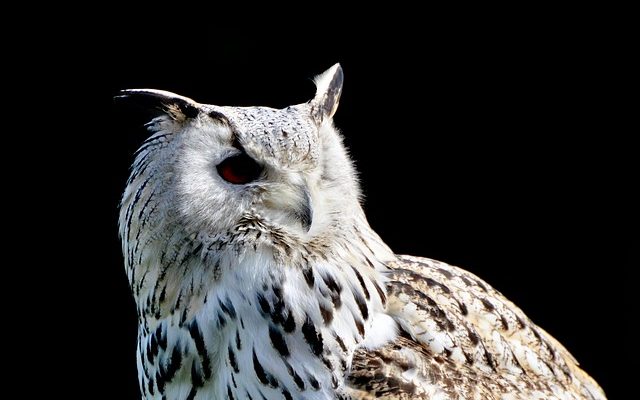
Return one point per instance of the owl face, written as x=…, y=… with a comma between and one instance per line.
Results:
x=234, y=162
x=220, y=165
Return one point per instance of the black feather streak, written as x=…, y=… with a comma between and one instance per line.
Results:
x=312, y=336
x=433, y=283
x=327, y=314
x=359, y=326
x=278, y=341
x=197, y=380
x=313, y=382
x=362, y=305
x=289, y=324
x=221, y=321
x=383, y=297
x=487, y=304
x=264, y=377
x=228, y=308
x=167, y=372
x=331, y=283
x=341, y=343
x=264, y=304
x=308, y=276
x=198, y=340
x=232, y=360
x=361, y=280
x=192, y=393
x=230, y=393
x=296, y=378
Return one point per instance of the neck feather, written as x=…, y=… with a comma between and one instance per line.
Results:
x=279, y=315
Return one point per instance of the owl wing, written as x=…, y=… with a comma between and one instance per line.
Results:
x=461, y=339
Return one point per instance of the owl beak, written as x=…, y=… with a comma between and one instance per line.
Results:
x=290, y=205
x=304, y=214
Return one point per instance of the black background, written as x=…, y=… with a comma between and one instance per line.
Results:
x=495, y=144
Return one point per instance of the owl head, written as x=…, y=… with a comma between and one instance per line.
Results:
x=206, y=168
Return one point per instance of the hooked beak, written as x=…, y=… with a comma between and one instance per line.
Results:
x=290, y=204
x=304, y=214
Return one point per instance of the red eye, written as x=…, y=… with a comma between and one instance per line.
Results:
x=239, y=169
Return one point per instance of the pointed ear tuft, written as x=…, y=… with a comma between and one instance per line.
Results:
x=328, y=90
x=160, y=102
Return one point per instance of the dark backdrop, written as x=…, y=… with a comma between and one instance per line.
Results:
x=494, y=146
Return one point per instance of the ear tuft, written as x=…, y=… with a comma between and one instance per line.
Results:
x=328, y=90
x=177, y=107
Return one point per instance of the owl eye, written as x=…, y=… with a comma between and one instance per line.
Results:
x=239, y=169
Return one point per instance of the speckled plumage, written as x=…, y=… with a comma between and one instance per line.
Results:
x=277, y=288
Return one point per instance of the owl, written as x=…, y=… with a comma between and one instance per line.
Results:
x=256, y=275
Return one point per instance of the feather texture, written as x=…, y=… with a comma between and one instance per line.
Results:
x=461, y=339
x=272, y=285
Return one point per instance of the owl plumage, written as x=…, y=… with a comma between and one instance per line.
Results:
x=257, y=276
